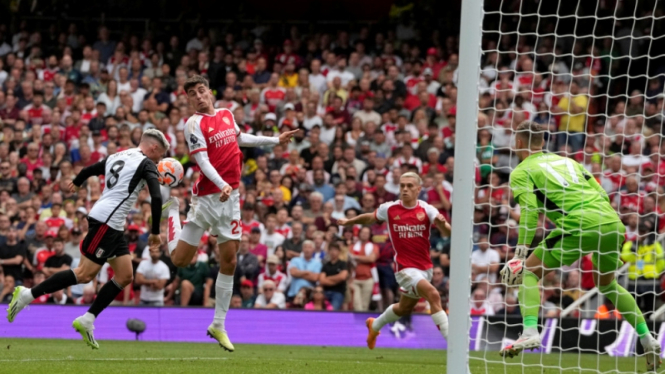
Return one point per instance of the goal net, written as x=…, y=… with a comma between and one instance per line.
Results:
x=591, y=74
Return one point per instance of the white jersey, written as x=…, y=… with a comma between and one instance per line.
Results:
x=125, y=175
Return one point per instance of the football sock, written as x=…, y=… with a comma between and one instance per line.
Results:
x=386, y=317
x=625, y=303
x=105, y=296
x=529, y=297
x=441, y=321
x=56, y=282
x=223, y=293
x=174, y=228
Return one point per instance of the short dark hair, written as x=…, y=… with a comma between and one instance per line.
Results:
x=194, y=80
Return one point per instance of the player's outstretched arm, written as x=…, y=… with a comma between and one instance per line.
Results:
x=249, y=140
x=363, y=219
x=93, y=170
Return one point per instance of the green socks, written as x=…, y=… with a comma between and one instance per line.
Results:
x=529, y=297
x=625, y=303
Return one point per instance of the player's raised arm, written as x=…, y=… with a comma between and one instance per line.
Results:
x=98, y=168
x=363, y=219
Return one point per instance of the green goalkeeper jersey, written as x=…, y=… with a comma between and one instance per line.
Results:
x=562, y=189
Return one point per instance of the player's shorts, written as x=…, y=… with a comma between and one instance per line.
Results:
x=222, y=219
x=604, y=242
x=408, y=280
x=103, y=243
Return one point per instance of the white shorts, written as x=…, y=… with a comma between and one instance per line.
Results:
x=408, y=280
x=222, y=219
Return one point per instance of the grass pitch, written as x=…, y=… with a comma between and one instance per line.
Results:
x=73, y=357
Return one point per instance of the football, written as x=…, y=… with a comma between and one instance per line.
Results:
x=170, y=171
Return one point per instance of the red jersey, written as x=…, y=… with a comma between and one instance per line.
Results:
x=217, y=134
x=87, y=116
x=248, y=226
x=618, y=179
x=272, y=97
x=409, y=230
x=36, y=115
x=279, y=278
x=47, y=74
x=31, y=166
x=284, y=230
x=633, y=201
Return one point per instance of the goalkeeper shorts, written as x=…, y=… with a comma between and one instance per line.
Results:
x=604, y=242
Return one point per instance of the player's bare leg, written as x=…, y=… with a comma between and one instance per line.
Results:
x=123, y=276
x=529, y=296
x=439, y=316
x=390, y=315
x=84, y=273
x=223, y=292
x=625, y=303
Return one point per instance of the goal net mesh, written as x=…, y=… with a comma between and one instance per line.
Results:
x=591, y=74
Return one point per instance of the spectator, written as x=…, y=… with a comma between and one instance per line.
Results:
x=257, y=248
x=334, y=274
x=59, y=261
x=88, y=296
x=59, y=297
x=247, y=267
x=190, y=281
x=12, y=254
x=293, y=245
x=304, y=270
x=270, y=238
x=269, y=298
x=364, y=254
x=485, y=262
x=318, y=300
x=572, y=108
x=273, y=274
x=479, y=304
x=247, y=294
x=647, y=262
x=152, y=276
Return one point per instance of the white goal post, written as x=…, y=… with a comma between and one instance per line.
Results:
x=461, y=241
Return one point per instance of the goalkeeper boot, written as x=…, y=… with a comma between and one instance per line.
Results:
x=221, y=337
x=20, y=299
x=371, y=334
x=651, y=352
x=528, y=340
x=85, y=328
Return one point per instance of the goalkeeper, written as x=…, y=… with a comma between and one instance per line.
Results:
x=585, y=223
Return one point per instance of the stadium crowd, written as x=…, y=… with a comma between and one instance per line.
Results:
x=369, y=104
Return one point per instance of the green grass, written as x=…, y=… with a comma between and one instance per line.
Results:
x=72, y=357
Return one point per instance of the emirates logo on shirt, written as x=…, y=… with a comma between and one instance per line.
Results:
x=420, y=216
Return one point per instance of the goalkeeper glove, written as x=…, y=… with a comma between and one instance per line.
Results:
x=511, y=274
x=521, y=251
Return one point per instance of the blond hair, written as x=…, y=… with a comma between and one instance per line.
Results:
x=413, y=175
